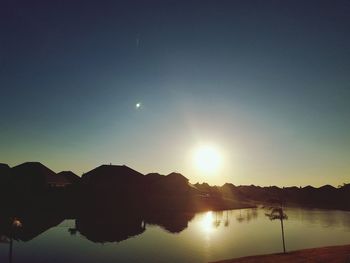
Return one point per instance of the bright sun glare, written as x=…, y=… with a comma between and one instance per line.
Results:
x=207, y=159
x=207, y=222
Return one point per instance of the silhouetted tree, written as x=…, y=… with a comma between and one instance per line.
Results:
x=277, y=212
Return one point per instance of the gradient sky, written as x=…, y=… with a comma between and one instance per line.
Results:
x=266, y=81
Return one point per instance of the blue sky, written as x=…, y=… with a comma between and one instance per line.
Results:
x=265, y=81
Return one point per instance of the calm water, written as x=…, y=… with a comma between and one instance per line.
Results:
x=208, y=236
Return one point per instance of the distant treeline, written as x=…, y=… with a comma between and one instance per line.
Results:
x=327, y=196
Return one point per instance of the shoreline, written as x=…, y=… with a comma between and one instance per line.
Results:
x=333, y=254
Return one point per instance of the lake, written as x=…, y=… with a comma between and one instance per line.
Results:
x=200, y=237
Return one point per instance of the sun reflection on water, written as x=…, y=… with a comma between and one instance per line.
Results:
x=206, y=223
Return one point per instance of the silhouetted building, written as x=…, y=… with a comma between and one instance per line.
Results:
x=71, y=177
x=36, y=176
x=5, y=175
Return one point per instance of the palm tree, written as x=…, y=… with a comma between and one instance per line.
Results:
x=277, y=212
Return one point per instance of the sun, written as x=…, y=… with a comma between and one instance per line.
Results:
x=207, y=159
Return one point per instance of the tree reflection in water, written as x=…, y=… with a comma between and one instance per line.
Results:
x=248, y=215
x=214, y=219
x=107, y=226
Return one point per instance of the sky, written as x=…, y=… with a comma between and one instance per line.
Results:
x=265, y=82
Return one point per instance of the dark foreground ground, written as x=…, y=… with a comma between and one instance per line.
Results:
x=336, y=254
